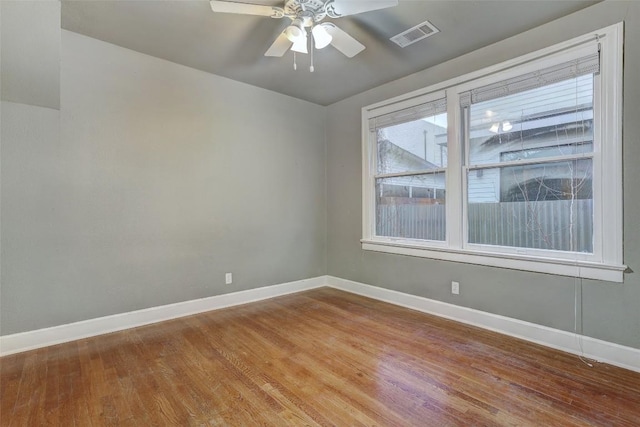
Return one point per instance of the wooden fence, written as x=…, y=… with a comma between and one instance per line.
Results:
x=541, y=225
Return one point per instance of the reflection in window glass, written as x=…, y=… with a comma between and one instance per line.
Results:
x=417, y=145
x=411, y=203
x=558, y=115
x=538, y=203
x=569, y=180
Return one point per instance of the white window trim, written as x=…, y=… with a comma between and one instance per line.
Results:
x=606, y=263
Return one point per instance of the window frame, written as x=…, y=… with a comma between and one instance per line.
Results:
x=606, y=261
x=372, y=170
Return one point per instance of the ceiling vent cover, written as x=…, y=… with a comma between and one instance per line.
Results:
x=415, y=34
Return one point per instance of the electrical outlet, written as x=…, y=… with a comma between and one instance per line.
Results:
x=228, y=278
x=455, y=288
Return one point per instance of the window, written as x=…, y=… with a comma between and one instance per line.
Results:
x=516, y=166
x=529, y=159
x=410, y=175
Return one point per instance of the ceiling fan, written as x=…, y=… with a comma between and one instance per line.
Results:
x=306, y=17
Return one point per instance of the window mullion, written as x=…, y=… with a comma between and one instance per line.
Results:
x=454, y=182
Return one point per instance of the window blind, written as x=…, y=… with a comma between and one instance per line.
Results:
x=417, y=112
x=589, y=64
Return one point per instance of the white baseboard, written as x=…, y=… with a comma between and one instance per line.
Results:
x=16, y=343
x=602, y=351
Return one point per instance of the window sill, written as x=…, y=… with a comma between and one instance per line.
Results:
x=561, y=267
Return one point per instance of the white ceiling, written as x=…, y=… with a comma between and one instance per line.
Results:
x=189, y=33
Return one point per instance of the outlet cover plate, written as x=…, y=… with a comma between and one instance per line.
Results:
x=455, y=288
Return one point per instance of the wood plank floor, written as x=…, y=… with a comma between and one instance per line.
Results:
x=322, y=357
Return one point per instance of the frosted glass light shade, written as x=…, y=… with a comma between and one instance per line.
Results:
x=295, y=31
x=300, y=45
x=321, y=37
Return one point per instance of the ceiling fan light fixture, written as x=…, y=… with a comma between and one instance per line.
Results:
x=303, y=15
x=321, y=37
x=295, y=31
x=300, y=45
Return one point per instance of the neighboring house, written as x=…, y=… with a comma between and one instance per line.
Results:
x=413, y=146
x=554, y=120
x=558, y=120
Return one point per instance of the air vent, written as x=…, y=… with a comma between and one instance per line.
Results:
x=415, y=34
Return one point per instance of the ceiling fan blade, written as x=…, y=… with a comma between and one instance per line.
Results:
x=340, y=8
x=343, y=41
x=246, y=8
x=280, y=46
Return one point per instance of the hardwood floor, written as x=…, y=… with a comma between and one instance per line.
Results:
x=322, y=357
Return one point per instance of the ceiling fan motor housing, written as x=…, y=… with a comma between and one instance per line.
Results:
x=310, y=11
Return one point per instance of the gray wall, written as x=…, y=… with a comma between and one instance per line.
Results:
x=30, y=53
x=149, y=183
x=611, y=310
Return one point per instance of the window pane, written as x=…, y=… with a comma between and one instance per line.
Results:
x=412, y=207
x=413, y=146
x=542, y=206
x=553, y=120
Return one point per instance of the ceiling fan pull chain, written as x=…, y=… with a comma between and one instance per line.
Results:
x=295, y=66
x=311, y=47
